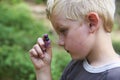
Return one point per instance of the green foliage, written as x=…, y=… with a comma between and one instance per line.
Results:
x=59, y=62
x=118, y=6
x=18, y=33
x=14, y=64
x=116, y=45
x=116, y=26
x=11, y=1
x=40, y=1
x=17, y=26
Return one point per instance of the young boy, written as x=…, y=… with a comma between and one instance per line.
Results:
x=84, y=28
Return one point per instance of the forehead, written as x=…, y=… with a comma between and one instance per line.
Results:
x=58, y=20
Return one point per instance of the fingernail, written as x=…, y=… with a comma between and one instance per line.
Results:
x=42, y=56
x=47, y=44
x=44, y=50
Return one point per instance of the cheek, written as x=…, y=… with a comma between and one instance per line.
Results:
x=77, y=43
x=77, y=38
x=76, y=46
x=78, y=50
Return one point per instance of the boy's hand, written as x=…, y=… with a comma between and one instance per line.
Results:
x=40, y=55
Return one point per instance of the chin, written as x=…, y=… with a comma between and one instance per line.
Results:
x=77, y=58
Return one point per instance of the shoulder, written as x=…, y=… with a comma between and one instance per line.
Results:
x=114, y=74
x=74, y=63
x=71, y=64
x=70, y=67
x=67, y=70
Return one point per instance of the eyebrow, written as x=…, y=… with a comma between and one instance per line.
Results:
x=60, y=27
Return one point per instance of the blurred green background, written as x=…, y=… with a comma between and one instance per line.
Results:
x=21, y=23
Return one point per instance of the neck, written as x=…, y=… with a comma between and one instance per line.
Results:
x=103, y=51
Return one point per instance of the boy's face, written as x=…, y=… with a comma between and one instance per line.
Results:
x=73, y=35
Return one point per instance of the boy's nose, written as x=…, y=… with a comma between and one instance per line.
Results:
x=61, y=40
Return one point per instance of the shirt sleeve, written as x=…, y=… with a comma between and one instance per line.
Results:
x=114, y=74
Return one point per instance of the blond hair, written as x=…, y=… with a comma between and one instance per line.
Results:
x=78, y=9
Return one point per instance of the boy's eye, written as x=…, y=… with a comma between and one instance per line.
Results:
x=63, y=31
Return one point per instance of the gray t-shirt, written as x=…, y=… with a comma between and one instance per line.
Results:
x=81, y=70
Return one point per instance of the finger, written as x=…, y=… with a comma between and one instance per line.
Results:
x=47, y=44
x=33, y=53
x=49, y=49
x=39, y=51
x=41, y=43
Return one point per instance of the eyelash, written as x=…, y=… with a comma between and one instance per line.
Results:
x=63, y=31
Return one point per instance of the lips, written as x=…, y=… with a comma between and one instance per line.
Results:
x=67, y=50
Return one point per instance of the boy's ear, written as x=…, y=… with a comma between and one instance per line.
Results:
x=93, y=19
